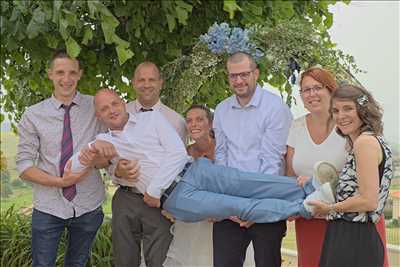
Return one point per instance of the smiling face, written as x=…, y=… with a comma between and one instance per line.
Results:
x=197, y=124
x=110, y=109
x=242, y=79
x=346, y=117
x=65, y=74
x=147, y=83
x=316, y=97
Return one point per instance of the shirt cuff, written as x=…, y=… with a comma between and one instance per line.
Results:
x=154, y=191
x=113, y=167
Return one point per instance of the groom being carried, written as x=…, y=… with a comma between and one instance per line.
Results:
x=201, y=190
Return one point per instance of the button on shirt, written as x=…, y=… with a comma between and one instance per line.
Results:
x=253, y=137
x=40, y=133
x=174, y=118
x=149, y=138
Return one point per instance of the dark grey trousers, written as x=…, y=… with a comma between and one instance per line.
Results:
x=133, y=222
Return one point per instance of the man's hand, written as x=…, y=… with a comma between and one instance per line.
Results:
x=128, y=170
x=245, y=224
x=87, y=156
x=301, y=180
x=168, y=215
x=105, y=149
x=151, y=201
x=70, y=178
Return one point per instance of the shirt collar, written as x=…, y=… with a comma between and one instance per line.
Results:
x=138, y=106
x=77, y=100
x=254, y=101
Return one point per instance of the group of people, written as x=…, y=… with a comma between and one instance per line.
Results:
x=224, y=190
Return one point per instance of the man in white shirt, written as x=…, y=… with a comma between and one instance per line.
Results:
x=149, y=138
x=147, y=83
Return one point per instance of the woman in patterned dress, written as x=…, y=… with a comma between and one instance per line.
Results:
x=351, y=237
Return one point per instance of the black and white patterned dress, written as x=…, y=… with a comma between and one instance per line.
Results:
x=351, y=238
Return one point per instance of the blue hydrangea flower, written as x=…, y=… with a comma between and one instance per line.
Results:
x=221, y=39
x=216, y=37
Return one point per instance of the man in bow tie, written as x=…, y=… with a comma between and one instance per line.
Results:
x=147, y=83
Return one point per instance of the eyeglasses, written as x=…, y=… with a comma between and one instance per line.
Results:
x=316, y=89
x=243, y=75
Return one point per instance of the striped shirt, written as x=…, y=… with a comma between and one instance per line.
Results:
x=40, y=134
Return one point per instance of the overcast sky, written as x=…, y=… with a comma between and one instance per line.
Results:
x=369, y=30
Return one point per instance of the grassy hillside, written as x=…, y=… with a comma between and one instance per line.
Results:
x=8, y=145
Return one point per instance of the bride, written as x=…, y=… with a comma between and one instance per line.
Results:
x=192, y=242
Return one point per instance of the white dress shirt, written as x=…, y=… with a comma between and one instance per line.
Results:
x=150, y=139
x=253, y=137
x=173, y=117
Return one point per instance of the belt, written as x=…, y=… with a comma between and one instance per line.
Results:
x=167, y=192
x=130, y=189
x=171, y=188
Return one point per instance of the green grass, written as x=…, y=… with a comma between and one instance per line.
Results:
x=21, y=198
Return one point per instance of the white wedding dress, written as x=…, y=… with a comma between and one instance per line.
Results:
x=192, y=246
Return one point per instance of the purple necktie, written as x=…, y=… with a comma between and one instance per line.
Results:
x=69, y=192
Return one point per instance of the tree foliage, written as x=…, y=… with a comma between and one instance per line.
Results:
x=112, y=37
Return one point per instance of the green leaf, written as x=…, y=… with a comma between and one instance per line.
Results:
x=108, y=31
x=328, y=20
x=38, y=15
x=184, y=5
x=63, y=28
x=73, y=48
x=120, y=42
x=87, y=35
x=56, y=10
x=4, y=6
x=52, y=41
x=181, y=14
x=15, y=14
x=108, y=25
x=171, y=22
x=123, y=54
x=231, y=7
x=1, y=117
x=32, y=29
x=71, y=18
x=92, y=9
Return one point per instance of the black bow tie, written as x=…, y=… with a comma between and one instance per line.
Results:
x=145, y=109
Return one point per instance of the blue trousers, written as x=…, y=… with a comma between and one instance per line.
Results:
x=213, y=191
x=46, y=233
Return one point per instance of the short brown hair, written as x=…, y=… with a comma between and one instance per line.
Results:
x=368, y=109
x=61, y=53
x=323, y=76
x=238, y=57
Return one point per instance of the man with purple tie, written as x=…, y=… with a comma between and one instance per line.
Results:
x=49, y=133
